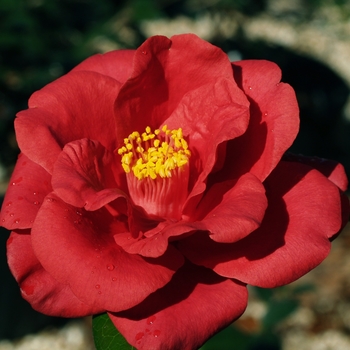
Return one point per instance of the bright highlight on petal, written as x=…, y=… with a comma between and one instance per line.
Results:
x=154, y=154
x=157, y=168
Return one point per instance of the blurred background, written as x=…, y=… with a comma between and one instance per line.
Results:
x=41, y=40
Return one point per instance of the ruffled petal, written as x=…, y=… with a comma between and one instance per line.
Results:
x=164, y=71
x=228, y=212
x=85, y=175
x=115, y=64
x=274, y=120
x=304, y=212
x=208, y=116
x=29, y=184
x=192, y=307
x=38, y=287
x=63, y=111
x=77, y=248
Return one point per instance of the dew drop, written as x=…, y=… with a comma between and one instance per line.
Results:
x=249, y=87
x=97, y=286
x=49, y=199
x=139, y=335
x=77, y=222
x=156, y=333
x=79, y=213
x=35, y=193
x=15, y=182
x=12, y=214
x=36, y=203
x=99, y=292
x=151, y=319
x=3, y=220
x=110, y=267
x=114, y=279
x=16, y=221
x=8, y=204
x=265, y=114
x=144, y=52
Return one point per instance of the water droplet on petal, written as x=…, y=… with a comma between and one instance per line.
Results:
x=79, y=213
x=99, y=292
x=110, y=267
x=151, y=319
x=97, y=286
x=12, y=214
x=35, y=193
x=36, y=203
x=49, y=199
x=8, y=204
x=3, y=220
x=17, y=221
x=15, y=182
x=156, y=333
x=144, y=52
x=139, y=335
x=114, y=279
x=249, y=87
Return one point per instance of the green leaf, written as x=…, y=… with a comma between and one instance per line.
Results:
x=106, y=336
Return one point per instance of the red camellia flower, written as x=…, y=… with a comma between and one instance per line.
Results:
x=152, y=184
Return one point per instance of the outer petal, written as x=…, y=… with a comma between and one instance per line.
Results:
x=274, y=120
x=164, y=71
x=38, y=287
x=115, y=64
x=304, y=212
x=209, y=115
x=329, y=168
x=77, y=248
x=85, y=175
x=29, y=184
x=63, y=111
x=185, y=313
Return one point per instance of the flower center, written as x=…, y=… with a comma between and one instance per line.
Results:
x=157, y=170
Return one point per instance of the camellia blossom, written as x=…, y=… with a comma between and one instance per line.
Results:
x=153, y=184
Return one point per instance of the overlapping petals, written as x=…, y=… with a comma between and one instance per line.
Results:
x=292, y=239
x=196, y=302
x=83, y=241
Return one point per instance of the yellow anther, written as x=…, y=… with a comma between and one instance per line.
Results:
x=158, y=158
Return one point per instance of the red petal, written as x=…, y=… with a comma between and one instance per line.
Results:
x=115, y=64
x=29, y=184
x=192, y=307
x=329, y=168
x=84, y=175
x=228, y=213
x=274, y=120
x=38, y=287
x=232, y=212
x=304, y=212
x=78, y=105
x=164, y=71
x=209, y=115
x=77, y=248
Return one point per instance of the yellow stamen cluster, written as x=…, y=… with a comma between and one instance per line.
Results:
x=154, y=154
